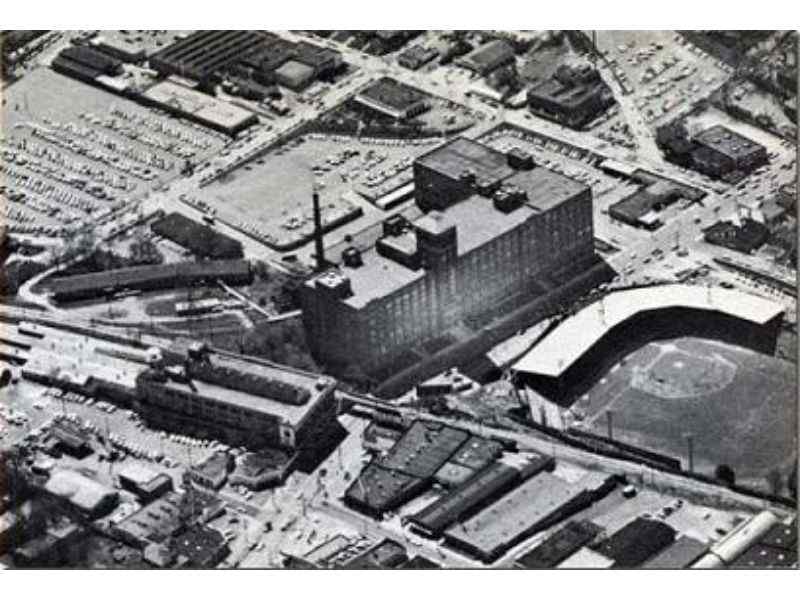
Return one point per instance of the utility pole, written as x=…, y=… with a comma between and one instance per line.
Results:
x=690, y=445
x=610, y=424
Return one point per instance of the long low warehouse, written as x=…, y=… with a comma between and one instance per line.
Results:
x=93, y=285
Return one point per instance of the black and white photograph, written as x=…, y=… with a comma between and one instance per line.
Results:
x=398, y=299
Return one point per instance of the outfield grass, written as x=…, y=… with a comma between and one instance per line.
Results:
x=750, y=423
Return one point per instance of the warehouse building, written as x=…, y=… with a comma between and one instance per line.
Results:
x=639, y=540
x=85, y=64
x=196, y=106
x=293, y=65
x=145, y=483
x=204, y=54
x=680, y=555
x=242, y=401
x=407, y=469
x=487, y=58
x=560, y=546
x=477, y=492
x=642, y=208
x=416, y=57
x=721, y=152
x=531, y=507
x=152, y=277
x=88, y=497
x=575, y=95
x=491, y=235
x=393, y=99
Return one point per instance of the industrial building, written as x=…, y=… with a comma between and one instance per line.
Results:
x=591, y=340
x=477, y=492
x=292, y=65
x=575, y=95
x=245, y=402
x=416, y=57
x=259, y=470
x=639, y=540
x=204, y=54
x=642, y=208
x=493, y=233
x=145, y=483
x=196, y=106
x=417, y=460
x=393, y=99
x=152, y=277
x=680, y=555
x=560, y=546
x=721, y=152
x=488, y=58
x=85, y=64
x=87, y=496
x=533, y=506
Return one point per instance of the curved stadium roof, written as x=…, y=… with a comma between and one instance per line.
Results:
x=577, y=334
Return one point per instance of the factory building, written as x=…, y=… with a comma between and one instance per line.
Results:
x=238, y=400
x=492, y=233
x=574, y=96
x=721, y=152
x=487, y=58
x=151, y=277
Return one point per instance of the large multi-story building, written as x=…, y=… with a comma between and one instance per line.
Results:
x=496, y=227
x=238, y=400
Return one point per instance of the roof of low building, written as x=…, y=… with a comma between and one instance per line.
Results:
x=728, y=142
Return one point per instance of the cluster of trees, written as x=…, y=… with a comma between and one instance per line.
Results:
x=283, y=342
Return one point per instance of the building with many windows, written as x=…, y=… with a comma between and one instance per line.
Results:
x=496, y=227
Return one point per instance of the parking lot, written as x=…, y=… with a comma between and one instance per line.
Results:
x=662, y=70
x=273, y=192
x=72, y=153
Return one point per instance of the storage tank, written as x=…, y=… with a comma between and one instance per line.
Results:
x=737, y=541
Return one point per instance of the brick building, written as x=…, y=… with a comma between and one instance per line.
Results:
x=490, y=232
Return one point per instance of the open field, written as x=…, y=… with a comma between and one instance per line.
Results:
x=739, y=406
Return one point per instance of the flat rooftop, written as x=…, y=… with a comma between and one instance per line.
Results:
x=381, y=489
x=281, y=373
x=514, y=514
x=728, y=142
x=576, y=335
x=201, y=106
x=393, y=94
x=292, y=413
x=462, y=154
x=424, y=448
x=546, y=189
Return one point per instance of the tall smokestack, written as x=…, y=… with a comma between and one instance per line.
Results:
x=319, y=249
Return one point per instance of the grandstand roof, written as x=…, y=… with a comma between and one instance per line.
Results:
x=577, y=334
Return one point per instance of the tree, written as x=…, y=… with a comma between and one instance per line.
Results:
x=775, y=481
x=725, y=474
x=791, y=481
